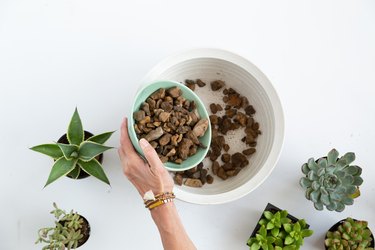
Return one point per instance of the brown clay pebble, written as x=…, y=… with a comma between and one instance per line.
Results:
x=221, y=173
x=215, y=167
x=178, y=179
x=227, y=166
x=219, y=107
x=210, y=179
x=225, y=157
x=226, y=147
x=213, y=108
x=200, y=83
x=193, y=182
x=249, y=151
x=190, y=84
x=250, y=110
x=239, y=160
x=216, y=85
x=203, y=176
x=213, y=119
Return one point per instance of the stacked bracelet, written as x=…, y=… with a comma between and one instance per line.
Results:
x=159, y=199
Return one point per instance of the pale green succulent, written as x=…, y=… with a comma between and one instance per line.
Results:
x=65, y=234
x=331, y=181
x=79, y=155
x=350, y=234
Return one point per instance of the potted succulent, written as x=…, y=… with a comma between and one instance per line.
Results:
x=349, y=234
x=331, y=181
x=77, y=154
x=71, y=230
x=278, y=230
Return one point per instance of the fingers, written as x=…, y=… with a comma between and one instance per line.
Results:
x=151, y=155
x=126, y=145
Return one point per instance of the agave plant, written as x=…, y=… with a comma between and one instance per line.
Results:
x=70, y=231
x=79, y=155
x=331, y=181
x=350, y=234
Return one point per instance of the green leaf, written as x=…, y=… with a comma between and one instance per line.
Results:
x=268, y=215
x=94, y=168
x=312, y=164
x=289, y=247
x=275, y=232
x=288, y=240
x=102, y=138
x=318, y=205
x=332, y=206
x=315, y=196
x=325, y=199
x=270, y=225
x=349, y=157
x=75, y=172
x=287, y=227
x=357, y=181
x=68, y=150
x=322, y=162
x=297, y=227
x=332, y=156
x=51, y=150
x=61, y=168
x=340, y=207
x=75, y=130
x=305, y=169
x=88, y=150
x=255, y=246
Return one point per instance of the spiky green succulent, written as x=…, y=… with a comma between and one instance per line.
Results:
x=79, y=155
x=66, y=232
x=350, y=234
x=331, y=181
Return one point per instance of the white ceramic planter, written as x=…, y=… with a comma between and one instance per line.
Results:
x=248, y=80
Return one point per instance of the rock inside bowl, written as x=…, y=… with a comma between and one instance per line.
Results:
x=175, y=122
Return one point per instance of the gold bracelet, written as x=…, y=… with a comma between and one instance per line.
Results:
x=159, y=199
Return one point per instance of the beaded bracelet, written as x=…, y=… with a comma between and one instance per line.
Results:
x=159, y=199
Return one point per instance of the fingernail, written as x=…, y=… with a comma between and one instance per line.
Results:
x=143, y=142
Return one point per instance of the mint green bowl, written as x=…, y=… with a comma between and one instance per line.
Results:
x=141, y=97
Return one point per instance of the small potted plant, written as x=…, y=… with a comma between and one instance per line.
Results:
x=349, y=234
x=331, y=181
x=278, y=230
x=71, y=231
x=77, y=154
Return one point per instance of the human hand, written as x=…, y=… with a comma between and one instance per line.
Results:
x=145, y=176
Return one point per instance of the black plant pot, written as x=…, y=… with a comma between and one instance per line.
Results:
x=85, y=230
x=273, y=209
x=335, y=226
x=82, y=174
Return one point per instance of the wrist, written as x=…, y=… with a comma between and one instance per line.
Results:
x=163, y=211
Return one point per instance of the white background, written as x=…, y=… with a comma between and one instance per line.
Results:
x=59, y=54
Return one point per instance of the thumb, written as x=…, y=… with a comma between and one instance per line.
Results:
x=150, y=154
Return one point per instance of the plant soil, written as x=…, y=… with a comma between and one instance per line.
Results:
x=82, y=174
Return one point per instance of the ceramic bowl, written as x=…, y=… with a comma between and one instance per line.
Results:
x=141, y=97
x=247, y=79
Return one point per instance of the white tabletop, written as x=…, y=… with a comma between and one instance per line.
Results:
x=56, y=55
